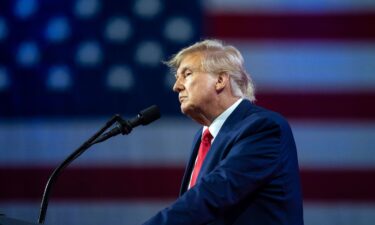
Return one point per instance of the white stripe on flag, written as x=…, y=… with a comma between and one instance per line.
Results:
x=62, y=213
x=167, y=142
x=310, y=66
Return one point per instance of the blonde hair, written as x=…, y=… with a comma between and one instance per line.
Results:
x=219, y=58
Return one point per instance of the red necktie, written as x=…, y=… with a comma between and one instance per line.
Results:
x=202, y=152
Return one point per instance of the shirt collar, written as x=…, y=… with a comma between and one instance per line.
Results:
x=216, y=125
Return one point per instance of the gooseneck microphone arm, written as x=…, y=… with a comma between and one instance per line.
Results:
x=52, y=179
x=143, y=118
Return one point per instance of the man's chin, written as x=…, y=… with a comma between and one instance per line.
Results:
x=183, y=108
x=186, y=108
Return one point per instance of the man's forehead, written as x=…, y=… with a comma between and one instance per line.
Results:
x=191, y=61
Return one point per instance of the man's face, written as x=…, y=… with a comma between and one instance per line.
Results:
x=195, y=88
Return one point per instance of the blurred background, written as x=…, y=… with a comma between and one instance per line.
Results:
x=66, y=66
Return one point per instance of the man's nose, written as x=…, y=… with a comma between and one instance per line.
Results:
x=178, y=86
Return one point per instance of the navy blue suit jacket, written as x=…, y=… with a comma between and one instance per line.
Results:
x=250, y=175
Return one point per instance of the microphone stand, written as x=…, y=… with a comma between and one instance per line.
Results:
x=68, y=160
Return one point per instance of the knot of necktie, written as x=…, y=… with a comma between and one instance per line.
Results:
x=207, y=136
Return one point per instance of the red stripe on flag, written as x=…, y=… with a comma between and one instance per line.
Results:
x=130, y=183
x=343, y=26
x=338, y=185
x=92, y=183
x=307, y=105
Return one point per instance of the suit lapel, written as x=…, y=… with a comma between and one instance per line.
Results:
x=224, y=136
x=190, y=164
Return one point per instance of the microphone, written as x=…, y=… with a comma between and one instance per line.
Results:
x=144, y=117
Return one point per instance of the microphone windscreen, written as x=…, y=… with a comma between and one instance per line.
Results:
x=150, y=114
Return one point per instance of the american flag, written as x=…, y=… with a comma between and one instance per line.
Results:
x=68, y=66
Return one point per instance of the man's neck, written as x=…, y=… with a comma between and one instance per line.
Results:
x=216, y=125
x=220, y=108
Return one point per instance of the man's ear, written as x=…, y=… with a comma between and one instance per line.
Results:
x=222, y=81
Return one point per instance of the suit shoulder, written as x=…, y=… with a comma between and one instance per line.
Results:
x=261, y=117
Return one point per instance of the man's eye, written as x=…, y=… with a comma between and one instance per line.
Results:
x=188, y=74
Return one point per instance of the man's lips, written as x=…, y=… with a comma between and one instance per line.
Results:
x=182, y=98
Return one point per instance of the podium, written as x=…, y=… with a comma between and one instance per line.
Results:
x=10, y=221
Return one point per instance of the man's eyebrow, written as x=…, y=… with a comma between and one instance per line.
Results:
x=183, y=70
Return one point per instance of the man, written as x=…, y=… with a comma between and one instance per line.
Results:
x=243, y=168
